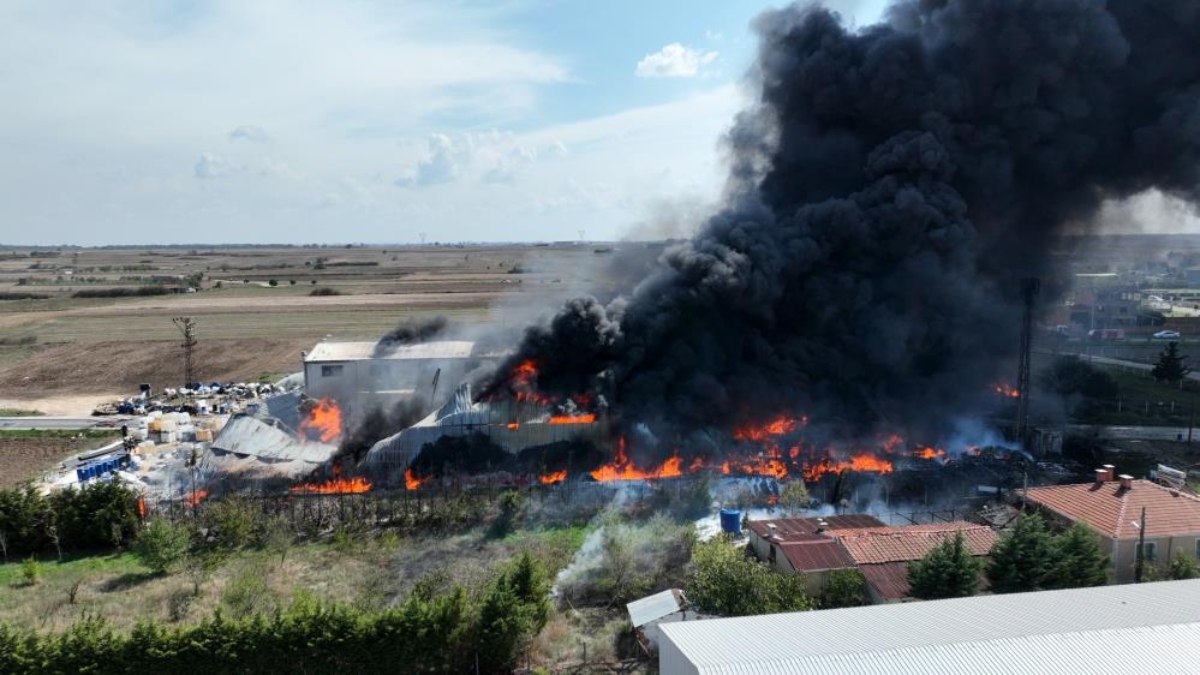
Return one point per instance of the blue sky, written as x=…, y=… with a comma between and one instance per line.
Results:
x=335, y=121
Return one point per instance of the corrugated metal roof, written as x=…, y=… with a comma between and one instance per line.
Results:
x=1020, y=632
x=1121, y=651
x=651, y=607
x=788, y=529
x=246, y=435
x=816, y=555
x=1110, y=510
x=362, y=351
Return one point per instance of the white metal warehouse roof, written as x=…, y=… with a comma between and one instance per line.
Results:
x=362, y=351
x=1050, y=631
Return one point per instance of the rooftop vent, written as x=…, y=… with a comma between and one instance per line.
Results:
x=1110, y=471
x=1126, y=481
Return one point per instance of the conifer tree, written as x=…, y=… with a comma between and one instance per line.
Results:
x=1023, y=558
x=1078, y=560
x=947, y=571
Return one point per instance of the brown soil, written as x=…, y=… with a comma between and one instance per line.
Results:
x=121, y=366
x=24, y=458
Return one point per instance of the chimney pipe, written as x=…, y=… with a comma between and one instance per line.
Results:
x=1126, y=481
x=1100, y=474
x=771, y=531
x=1110, y=472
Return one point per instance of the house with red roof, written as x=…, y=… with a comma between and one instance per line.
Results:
x=1112, y=508
x=817, y=546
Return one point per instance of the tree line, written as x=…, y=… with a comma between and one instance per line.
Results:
x=96, y=516
x=438, y=628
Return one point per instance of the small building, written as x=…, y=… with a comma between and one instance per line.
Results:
x=1110, y=629
x=1112, y=508
x=648, y=613
x=883, y=555
x=817, y=546
x=807, y=545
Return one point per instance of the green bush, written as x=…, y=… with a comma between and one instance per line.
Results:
x=162, y=546
x=727, y=583
x=434, y=630
x=31, y=570
x=96, y=516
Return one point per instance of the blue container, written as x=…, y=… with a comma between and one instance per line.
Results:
x=731, y=521
x=79, y=475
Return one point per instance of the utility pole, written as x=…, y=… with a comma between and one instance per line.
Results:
x=1029, y=292
x=1141, y=549
x=187, y=326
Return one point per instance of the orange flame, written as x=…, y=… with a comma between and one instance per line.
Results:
x=411, y=482
x=930, y=453
x=862, y=462
x=776, y=427
x=621, y=468
x=586, y=418
x=324, y=421
x=512, y=426
x=523, y=383
x=141, y=507
x=553, y=477
x=191, y=500
x=334, y=486
x=1006, y=391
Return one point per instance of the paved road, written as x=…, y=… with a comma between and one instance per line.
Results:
x=67, y=423
x=1138, y=433
x=1122, y=363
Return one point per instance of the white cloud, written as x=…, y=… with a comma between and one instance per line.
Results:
x=674, y=60
x=214, y=166
x=249, y=132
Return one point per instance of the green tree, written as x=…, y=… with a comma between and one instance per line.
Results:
x=162, y=546
x=514, y=610
x=1078, y=560
x=725, y=582
x=1179, y=567
x=1023, y=558
x=794, y=496
x=947, y=571
x=1170, y=367
x=844, y=588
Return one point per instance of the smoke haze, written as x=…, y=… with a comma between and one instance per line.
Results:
x=888, y=190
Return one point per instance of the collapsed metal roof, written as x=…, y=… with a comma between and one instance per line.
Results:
x=246, y=435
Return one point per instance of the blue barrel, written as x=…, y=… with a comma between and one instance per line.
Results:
x=731, y=521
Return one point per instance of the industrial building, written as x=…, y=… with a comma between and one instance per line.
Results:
x=1108, y=629
x=1112, y=508
x=352, y=371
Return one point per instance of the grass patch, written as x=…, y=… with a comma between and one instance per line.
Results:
x=23, y=434
x=20, y=412
x=73, y=565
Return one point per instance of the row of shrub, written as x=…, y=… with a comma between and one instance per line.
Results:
x=22, y=296
x=438, y=628
x=97, y=516
x=120, y=292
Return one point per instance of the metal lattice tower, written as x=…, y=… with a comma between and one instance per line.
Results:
x=1029, y=292
x=187, y=326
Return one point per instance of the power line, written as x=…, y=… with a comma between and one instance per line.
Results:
x=187, y=326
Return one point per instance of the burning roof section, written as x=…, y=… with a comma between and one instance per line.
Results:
x=1110, y=509
x=246, y=435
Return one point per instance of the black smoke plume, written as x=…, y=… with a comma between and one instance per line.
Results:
x=410, y=331
x=889, y=189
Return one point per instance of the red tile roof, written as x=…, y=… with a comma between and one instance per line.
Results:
x=795, y=529
x=890, y=580
x=816, y=555
x=1111, y=511
x=912, y=542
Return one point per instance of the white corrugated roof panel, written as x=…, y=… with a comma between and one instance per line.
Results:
x=651, y=607
x=805, y=640
x=362, y=351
